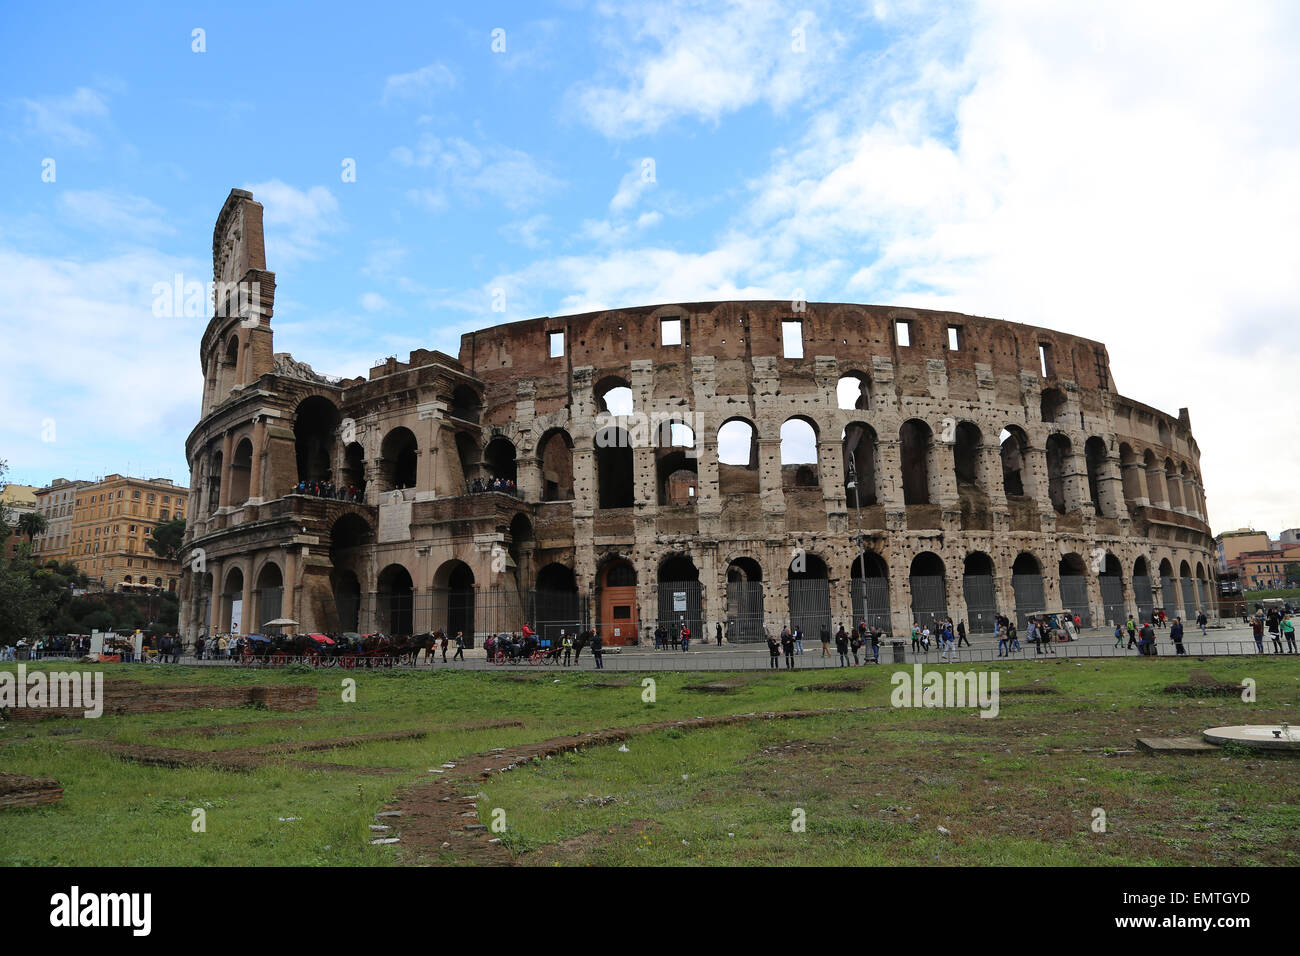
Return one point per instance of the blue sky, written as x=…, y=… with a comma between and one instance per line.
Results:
x=1083, y=167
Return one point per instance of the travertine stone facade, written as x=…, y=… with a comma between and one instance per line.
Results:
x=993, y=459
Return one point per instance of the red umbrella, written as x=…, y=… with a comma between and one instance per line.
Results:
x=321, y=638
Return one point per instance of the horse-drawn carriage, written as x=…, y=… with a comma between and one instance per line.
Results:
x=529, y=649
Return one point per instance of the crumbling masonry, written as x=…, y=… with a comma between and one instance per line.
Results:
x=702, y=463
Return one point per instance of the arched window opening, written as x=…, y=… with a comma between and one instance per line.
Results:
x=915, y=439
x=860, y=449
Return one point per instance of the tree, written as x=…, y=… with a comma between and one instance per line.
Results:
x=31, y=524
x=165, y=539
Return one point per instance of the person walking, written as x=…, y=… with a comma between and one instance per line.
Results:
x=916, y=638
x=1176, y=635
x=1013, y=637
x=718, y=633
x=1274, y=631
x=686, y=638
x=442, y=644
x=774, y=650
x=855, y=645
x=1202, y=621
x=825, y=635
x=789, y=645
x=842, y=647
x=875, y=645
x=1131, y=627
x=567, y=643
x=798, y=640
x=961, y=634
x=1257, y=628
x=1119, y=635
x=1288, y=632
x=597, y=651
x=460, y=647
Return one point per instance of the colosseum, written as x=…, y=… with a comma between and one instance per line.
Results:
x=738, y=464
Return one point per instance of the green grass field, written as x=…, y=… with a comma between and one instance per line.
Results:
x=871, y=787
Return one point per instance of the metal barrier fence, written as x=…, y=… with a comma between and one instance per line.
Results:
x=1074, y=597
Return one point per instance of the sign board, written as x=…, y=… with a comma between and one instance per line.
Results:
x=394, y=518
x=236, y=615
x=679, y=600
x=618, y=632
x=96, y=643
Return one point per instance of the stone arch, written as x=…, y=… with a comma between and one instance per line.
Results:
x=979, y=589
x=555, y=457
x=799, y=452
x=466, y=404
x=499, y=457
x=241, y=470
x=315, y=425
x=455, y=599
x=399, y=454
x=615, y=470
x=929, y=587
x=1094, y=453
x=861, y=449
x=869, y=577
x=744, y=584
x=613, y=395
x=268, y=593
x=737, y=457
x=681, y=600
x=1015, y=457
x=916, y=449
x=853, y=391
x=395, y=591
x=808, y=596
x=1027, y=586
x=1072, y=574
x=1052, y=406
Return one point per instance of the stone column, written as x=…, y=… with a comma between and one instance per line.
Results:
x=218, y=596
x=223, y=500
x=248, y=625
x=259, y=461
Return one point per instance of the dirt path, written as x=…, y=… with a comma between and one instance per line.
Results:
x=438, y=822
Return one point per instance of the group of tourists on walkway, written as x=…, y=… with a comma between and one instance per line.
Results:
x=1280, y=627
x=482, y=486
x=327, y=489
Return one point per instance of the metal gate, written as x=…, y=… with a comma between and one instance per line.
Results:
x=981, y=603
x=744, y=611
x=929, y=598
x=268, y=605
x=871, y=601
x=1112, y=598
x=1189, y=599
x=1204, y=595
x=1028, y=589
x=1143, y=597
x=810, y=605
x=553, y=611
x=682, y=602
x=1074, y=596
x=1169, y=596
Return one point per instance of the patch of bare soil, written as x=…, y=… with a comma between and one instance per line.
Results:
x=439, y=819
x=20, y=790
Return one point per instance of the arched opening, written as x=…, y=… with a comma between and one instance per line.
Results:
x=269, y=594
x=613, y=395
x=354, y=471
x=929, y=589
x=980, y=592
x=615, y=476
x=869, y=577
x=465, y=404
x=233, y=619
x=241, y=469
x=214, y=483
x=1015, y=452
x=1027, y=585
x=1169, y=599
x=1173, y=486
x=468, y=454
x=798, y=453
x=556, y=606
x=1111, y=578
x=399, y=452
x=853, y=391
x=1142, y=593
x=744, y=600
x=1202, y=589
x=1155, y=476
x=314, y=426
x=1094, y=452
x=617, y=618
x=1052, y=406
x=1074, y=588
x=860, y=448
x=499, y=456
x=1131, y=475
x=346, y=587
x=809, y=595
x=395, y=601
x=680, y=597
x=1188, y=590
x=556, y=457
x=453, y=600
x=737, y=458
x=1058, y=456
x=676, y=464
x=915, y=441
x=966, y=454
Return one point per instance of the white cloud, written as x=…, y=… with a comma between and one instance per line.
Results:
x=419, y=86
x=64, y=120
x=120, y=214
x=295, y=221
x=510, y=176
x=374, y=302
x=703, y=64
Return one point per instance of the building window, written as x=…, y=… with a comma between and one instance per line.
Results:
x=1045, y=360
x=792, y=338
x=955, y=338
x=670, y=331
x=903, y=332
x=556, y=343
